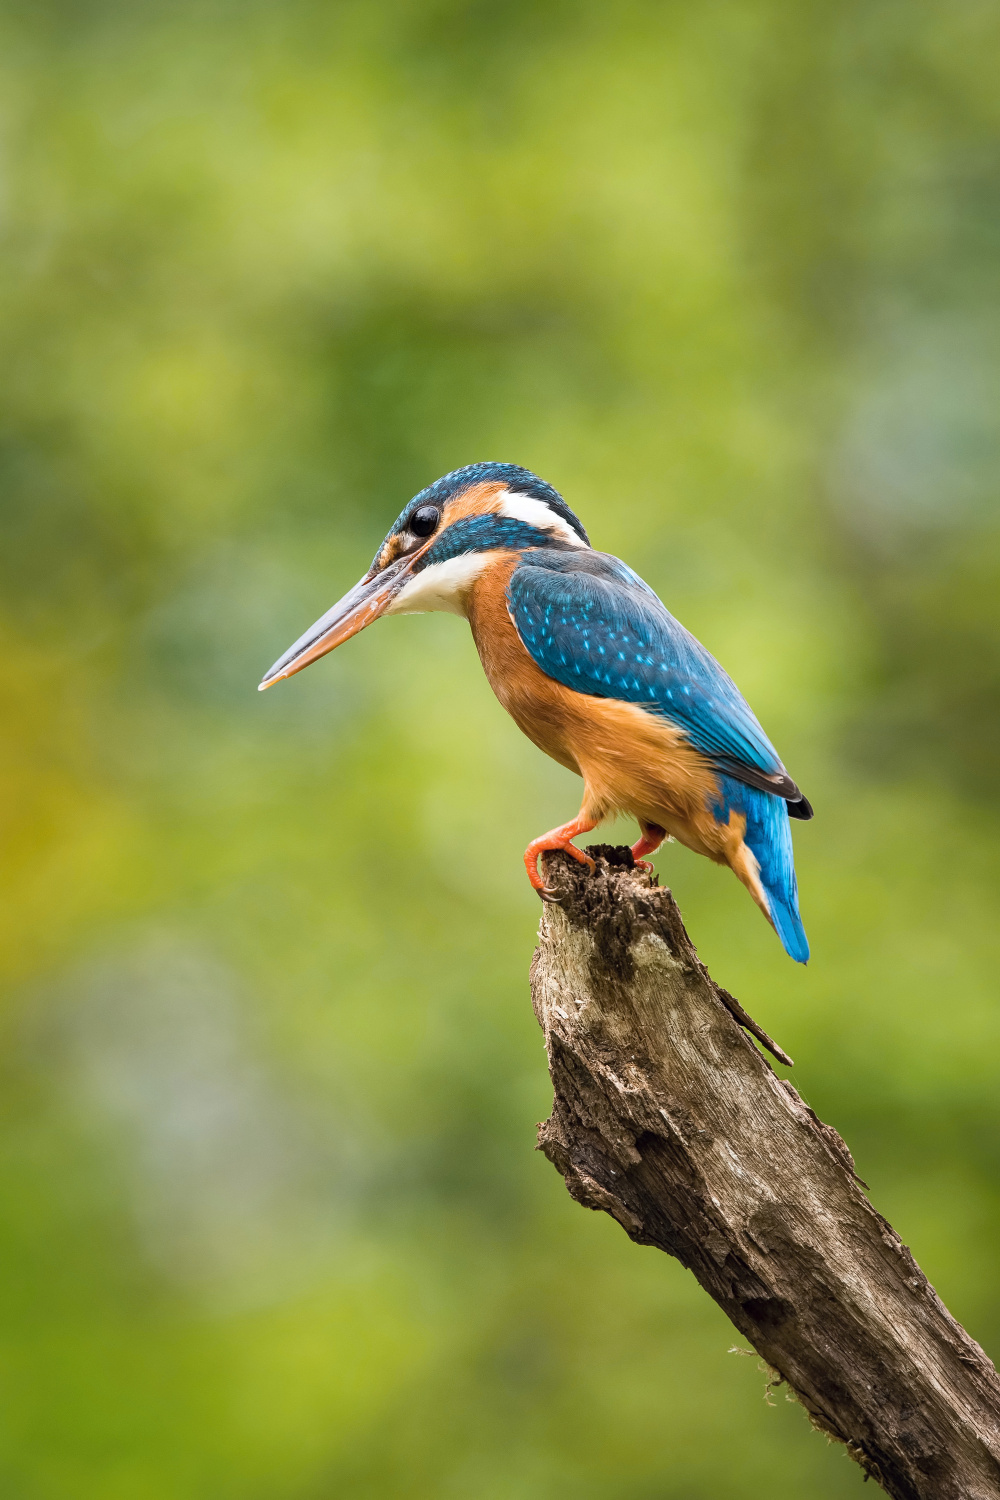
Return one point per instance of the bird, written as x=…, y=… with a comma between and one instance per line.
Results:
x=595, y=670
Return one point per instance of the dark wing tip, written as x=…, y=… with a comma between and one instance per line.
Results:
x=798, y=805
x=778, y=783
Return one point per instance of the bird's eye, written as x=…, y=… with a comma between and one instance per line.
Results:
x=424, y=520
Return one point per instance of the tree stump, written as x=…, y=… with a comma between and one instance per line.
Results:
x=667, y=1117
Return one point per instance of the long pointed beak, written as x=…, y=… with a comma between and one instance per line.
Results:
x=358, y=608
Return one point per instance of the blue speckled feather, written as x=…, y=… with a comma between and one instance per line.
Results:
x=592, y=624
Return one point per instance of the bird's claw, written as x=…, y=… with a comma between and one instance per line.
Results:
x=559, y=839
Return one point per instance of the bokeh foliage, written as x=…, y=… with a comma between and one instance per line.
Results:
x=727, y=274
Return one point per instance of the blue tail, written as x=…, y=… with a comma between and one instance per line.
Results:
x=769, y=837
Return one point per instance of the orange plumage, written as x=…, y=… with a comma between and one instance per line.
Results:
x=631, y=761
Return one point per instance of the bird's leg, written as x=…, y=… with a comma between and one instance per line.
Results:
x=652, y=837
x=559, y=838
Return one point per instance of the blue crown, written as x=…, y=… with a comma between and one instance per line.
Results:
x=522, y=481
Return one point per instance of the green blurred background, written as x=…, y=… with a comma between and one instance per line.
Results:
x=727, y=274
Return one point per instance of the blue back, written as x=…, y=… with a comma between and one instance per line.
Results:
x=592, y=624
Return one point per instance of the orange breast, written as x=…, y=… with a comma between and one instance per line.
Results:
x=535, y=703
x=631, y=761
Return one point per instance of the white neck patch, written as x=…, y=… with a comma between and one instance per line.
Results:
x=441, y=586
x=537, y=513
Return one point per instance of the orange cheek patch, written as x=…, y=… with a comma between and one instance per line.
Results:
x=478, y=500
x=391, y=549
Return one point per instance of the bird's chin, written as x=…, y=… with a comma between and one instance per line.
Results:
x=442, y=587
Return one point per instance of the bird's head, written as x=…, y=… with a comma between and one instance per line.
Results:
x=437, y=548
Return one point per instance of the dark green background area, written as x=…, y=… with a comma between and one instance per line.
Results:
x=727, y=274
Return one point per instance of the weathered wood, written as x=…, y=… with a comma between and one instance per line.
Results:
x=667, y=1117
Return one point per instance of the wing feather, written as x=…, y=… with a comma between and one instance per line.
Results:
x=592, y=624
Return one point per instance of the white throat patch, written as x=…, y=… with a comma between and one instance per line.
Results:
x=441, y=586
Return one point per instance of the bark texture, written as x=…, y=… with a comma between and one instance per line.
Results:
x=667, y=1117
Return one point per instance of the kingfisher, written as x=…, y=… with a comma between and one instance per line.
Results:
x=596, y=672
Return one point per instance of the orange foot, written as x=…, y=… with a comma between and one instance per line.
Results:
x=652, y=837
x=559, y=838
